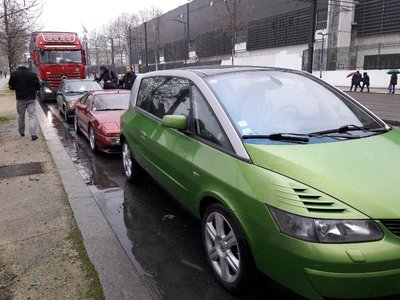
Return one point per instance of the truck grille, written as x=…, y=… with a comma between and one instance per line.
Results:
x=54, y=80
x=392, y=225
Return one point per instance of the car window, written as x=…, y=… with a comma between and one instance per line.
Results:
x=83, y=99
x=80, y=86
x=268, y=102
x=115, y=101
x=162, y=96
x=88, y=100
x=65, y=87
x=206, y=124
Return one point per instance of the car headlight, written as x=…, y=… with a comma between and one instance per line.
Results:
x=47, y=90
x=71, y=105
x=326, y=231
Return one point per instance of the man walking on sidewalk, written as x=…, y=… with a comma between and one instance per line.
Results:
x=25, y=83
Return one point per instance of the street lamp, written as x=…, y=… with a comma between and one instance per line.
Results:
x=186, y=36
x=186, y=27
x=321, y=59
x=131, y=60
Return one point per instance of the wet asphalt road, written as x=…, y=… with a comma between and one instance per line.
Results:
x=162, y=240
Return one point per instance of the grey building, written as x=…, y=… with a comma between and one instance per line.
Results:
x=343, y=34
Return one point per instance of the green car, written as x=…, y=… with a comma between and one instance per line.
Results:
x=288, y=174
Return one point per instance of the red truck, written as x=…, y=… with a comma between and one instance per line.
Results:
x=55, y=56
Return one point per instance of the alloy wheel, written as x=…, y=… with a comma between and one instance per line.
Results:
x=92, y=139
x=127, y=160
x=222, y=247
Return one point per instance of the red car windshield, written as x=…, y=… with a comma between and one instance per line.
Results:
x=110, y=101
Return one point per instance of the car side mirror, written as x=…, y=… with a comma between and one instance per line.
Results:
x=82, y=107
x=175, y=121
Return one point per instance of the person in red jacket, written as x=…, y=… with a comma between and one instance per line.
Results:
x=25, y=83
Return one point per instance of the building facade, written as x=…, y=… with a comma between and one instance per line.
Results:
x=343, y=35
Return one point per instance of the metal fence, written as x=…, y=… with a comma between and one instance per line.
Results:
x=367, y=57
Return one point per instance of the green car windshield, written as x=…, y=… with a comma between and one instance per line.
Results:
x=263, y=103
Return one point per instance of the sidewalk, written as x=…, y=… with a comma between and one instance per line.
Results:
x=45, y=206
x=379, y=101
x=46, y=209
x=39, y=257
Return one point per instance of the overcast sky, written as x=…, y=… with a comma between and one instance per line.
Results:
x=71, y=15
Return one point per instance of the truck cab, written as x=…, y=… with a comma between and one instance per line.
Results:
x=56, y=56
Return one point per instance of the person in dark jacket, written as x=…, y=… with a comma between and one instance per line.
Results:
x=393, y=81
x=365, y=81
x=356, y=81
x=128, y=79
x=25, y=83
x=110, y=80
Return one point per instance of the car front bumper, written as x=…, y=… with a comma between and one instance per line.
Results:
x=317, y=271
x=107, y=143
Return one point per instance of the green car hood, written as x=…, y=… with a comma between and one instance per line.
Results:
x=363, y=173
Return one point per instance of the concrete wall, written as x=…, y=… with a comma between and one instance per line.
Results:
x=291, y=57
x=283, y=57
x=378, y=78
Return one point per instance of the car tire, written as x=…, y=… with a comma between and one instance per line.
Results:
x=133, y=172
x=40, y=95
x=76, y=126
x=92, y=139
x=66, y=115
x=226, y=249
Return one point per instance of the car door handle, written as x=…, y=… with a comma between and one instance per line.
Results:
x=143, y=135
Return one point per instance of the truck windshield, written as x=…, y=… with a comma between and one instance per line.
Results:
x=61, y=57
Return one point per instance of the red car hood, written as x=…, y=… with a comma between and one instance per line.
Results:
x=109, y=119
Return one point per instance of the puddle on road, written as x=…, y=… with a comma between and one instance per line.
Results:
x=162, y=241
x=107, y=194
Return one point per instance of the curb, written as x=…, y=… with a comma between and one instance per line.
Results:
x=118, y=277
x=392, y=122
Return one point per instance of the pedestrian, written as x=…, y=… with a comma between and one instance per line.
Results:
x=128, y=79
x=5, y=74
x=355, y=81
x=365, y=81
x=25, y=83
x=110, y=80
x=393, y=82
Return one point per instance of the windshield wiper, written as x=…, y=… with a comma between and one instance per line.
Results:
x=346, y=128
x=291, y=137
x=80, y=92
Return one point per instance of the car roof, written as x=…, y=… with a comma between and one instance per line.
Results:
x=98, y=92
x=205, y=71
x=71, y=80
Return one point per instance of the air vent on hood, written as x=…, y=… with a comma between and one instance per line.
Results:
x=392, y=225
x=312, y=200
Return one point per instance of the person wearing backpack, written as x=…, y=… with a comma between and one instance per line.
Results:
x=110, y=80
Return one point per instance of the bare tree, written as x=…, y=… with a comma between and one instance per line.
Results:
x=152, y=17
x=124, y=23
x=17, y=19
x=232, y=16
x=125, y=39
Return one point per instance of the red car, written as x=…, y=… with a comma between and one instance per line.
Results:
x=97, y=117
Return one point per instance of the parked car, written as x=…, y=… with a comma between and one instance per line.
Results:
x=97, y=117
x=287, y=173
x=70, y=91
